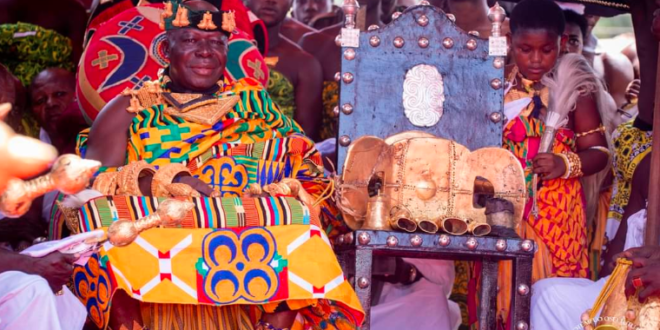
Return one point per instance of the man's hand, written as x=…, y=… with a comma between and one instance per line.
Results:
x=648, y=275
x=549, y=166
x=639, y=256
x=196, y=184
x=56, y=268
x=632, y=92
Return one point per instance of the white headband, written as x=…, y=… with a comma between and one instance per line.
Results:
x=576, y=7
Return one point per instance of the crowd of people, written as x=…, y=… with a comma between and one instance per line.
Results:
x=263, y=113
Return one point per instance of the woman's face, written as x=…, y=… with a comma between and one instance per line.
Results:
x=536, y=51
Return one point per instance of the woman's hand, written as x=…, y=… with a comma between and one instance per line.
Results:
x=549, y=166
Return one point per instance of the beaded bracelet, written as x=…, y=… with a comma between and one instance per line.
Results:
x=573, y=165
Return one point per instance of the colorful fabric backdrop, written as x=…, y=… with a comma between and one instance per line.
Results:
x=127, y=50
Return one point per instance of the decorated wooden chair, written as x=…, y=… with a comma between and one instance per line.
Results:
x=420, y=100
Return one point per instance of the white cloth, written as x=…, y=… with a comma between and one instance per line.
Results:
x=424, y=305
x=558, y=303
x=27, y=302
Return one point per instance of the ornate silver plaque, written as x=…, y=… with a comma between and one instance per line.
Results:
x=423, y=95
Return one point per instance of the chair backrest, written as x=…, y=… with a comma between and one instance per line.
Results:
x=421, y=72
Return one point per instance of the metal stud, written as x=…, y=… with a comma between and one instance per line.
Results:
x=498, y=62
x=335, y=111
x=500, y=245
x=364, y=238
x=338, y=40
x=337, y=76
x=347, y=109
x=347, y=77
x=339, y=240
x=471, y=243
x=522, y=325
x=471, y=44
x=448, y=42
x=392, y=241
x=348, y=238
x=423, y=20
x=398, y=42
x=363, y=283
x=474, y=33
x=349, y=54
x=373, y=27
x=527, y=245
x=425, y=3
x=423, y=42
x=444, y=240
x=452, y=18
x=396, y=15
x=374, y=41
x=496, y=117
x=416, y=240
x=496, y=83
x=344, y=140
x=523, y=289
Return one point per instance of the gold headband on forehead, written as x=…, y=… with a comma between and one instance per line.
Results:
x=177, y=15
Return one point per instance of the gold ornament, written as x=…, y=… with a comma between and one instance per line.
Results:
x=442, y=198
x=70, y=174
x=181, y=19
x=229, y=21
x=170, y=213
x=207, y=22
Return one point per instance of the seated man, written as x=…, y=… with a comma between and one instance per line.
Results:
x=296, y=80
x=217, y=138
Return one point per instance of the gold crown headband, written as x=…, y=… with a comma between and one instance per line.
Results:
x=178, y=15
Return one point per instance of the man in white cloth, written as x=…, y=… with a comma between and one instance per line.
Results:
x=32, y=292
x=422, y=305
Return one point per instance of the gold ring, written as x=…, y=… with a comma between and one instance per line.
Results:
x=60, y=293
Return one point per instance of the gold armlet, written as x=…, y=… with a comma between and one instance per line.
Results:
x=106, y=183
x=574, y=168
x=600, y=129
x=129, y=178
x=164, y=177
x=601, y=149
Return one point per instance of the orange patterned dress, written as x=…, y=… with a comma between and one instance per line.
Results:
x=559, y=229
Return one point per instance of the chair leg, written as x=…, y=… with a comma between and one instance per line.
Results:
x=363, y=263
x=521, y=292
x=488, y=295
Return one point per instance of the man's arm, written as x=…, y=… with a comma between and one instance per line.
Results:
x=618, y=73
x=309, y=88
x=108, y=137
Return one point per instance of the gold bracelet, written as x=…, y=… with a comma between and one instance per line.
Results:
x=600, y=129
x=601, y=149
x=164, y=176
x=129, y=178
x=575, y=165
x=567, y=164
x=106, y=183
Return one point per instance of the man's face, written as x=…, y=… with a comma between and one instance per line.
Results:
x=306, y=10
x=197, y=58
x=51, y=92
x=535, y=52
x=272, y=12
x=592, y=20
x=575, y=42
